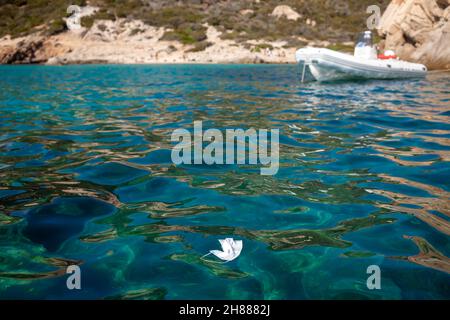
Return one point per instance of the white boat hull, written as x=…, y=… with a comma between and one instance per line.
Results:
x=329, y=65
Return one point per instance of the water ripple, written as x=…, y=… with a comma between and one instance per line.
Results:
x=86, y=177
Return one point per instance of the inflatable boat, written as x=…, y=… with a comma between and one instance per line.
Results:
x=329, y=65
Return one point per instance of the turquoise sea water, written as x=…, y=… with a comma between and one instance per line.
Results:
x=86, y=178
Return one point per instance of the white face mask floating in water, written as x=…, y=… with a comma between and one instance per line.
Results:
x=230, y=250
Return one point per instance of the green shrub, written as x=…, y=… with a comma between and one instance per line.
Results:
x=135, y=31
x=57, y=26
x=200, y=46
x=188, y=35
x=87, y=22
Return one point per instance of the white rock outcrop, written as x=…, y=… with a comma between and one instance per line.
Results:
x=286, y=12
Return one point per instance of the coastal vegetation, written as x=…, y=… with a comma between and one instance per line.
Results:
x=332, y=20
x=22, y=17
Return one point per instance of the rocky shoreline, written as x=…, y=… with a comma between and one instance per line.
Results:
x=418, y=31
x=132, y=41
x=112, y=42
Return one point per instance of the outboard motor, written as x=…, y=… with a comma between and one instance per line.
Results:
x=364, y=48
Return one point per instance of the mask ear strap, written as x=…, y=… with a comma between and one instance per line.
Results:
x=201, y=258
x=212, y=261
